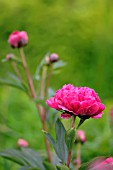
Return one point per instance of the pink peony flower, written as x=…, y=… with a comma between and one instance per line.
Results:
x=81, y=137
x=78, y=101
x=22, y=143
x=18, y=39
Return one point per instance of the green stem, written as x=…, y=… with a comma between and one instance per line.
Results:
x=49, y=78
x=78, y=156
x=16, y=70
x=40, y=109
x=44, y=74
x=70, y=151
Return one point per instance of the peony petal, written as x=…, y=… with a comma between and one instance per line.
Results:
x=65, y=115
x=97, y=116
x=93, y=109
x=64, y=108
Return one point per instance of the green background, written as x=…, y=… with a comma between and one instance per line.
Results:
x=81, y=32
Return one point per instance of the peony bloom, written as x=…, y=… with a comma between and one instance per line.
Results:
x=77, y=101
x=22, y=143
x=18, y=39
x=81, y=137
x=106, y=164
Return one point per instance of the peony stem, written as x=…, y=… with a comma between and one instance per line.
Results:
x=70, y=151
x=16, y=70
x=44, y=74
x=49, y=78
x=78, y=156
x=40, y=109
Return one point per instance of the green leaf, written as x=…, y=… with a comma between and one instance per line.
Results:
x=49, y=166
x=59, y=64
x=41, y=101
x=50, y=138
x=13, y=155
x=14, y=59
x=28, y=158
x=60, y=146
x=62, y=167
x=28, y=168
x=13, y=84
x=70, y=137
x=32, y=158
x=38, y=69
x=14, y=77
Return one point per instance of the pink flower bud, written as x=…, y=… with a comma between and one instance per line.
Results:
x=47, y=60
x=9, y=57
x=81, y=137
x=22, y=143
x=18, y=39
x=54, y=57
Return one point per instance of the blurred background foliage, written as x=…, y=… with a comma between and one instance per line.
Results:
x=81, y=32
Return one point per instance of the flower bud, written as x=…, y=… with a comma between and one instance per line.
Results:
x=22, y=143
x=47, y=60
x=18, y=39
x=81, y=137
x=54, y=57
x=9, y=57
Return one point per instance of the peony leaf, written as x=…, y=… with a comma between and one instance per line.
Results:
x=28, y=168
x=62, y=167
x=70, y=137
x=18, y=85
x=27, y=158
x=38, y=69
x=49, y=166
x=50, y=139
x=13, y=58
x=59, y=64
x=60, y=146
x=13, y=155
x=32, y=158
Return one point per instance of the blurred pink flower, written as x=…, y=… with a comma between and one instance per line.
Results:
x=81, y=137
x=18, y=39
x=22, y=143
x=106, y=164
x=79, y=101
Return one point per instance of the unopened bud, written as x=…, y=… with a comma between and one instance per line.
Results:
x=54, y=57
x=81, y=137
x=22, y=143
x=18, y=39
x=9, y=57
x=47, y=60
